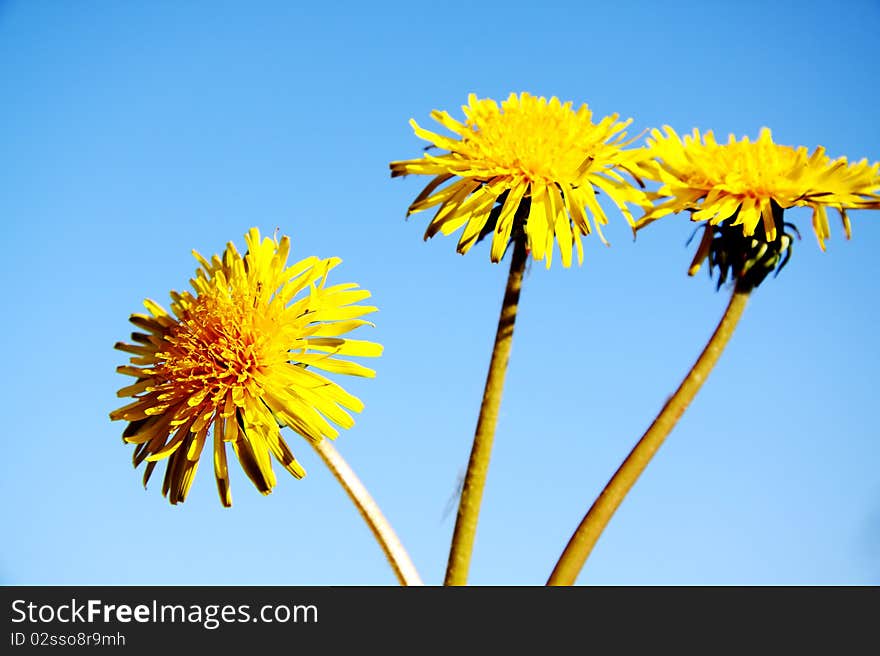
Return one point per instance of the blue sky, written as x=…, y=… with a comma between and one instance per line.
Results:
x=131, y=133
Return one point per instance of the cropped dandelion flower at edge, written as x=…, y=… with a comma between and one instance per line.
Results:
x=739, y=191
x=750, y=184
x=527, y=172
x=239, y=356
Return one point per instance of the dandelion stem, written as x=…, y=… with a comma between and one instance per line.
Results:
x=397, y=556
x=478, y=466
x=587, y=534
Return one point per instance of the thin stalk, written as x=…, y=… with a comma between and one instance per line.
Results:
x=478, y=465
x=587, y=534
x=397, y=556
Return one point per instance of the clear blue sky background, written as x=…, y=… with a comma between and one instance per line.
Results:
x=131, y=133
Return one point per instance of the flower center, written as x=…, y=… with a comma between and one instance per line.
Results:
x=530, y=138
x=216, y=346
x=755, y=170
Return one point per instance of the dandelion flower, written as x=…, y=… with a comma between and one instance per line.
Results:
x=239, y=358
x=739, y=191
x=527, y=172
x=750, y=184
x=530, y=166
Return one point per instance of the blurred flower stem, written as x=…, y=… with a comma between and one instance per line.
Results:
x=397, y=556
x=587, y=534
x=478, y=465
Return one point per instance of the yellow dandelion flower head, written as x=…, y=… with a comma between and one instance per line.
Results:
x=239, y=356
x=529, y=167
x=742, y=180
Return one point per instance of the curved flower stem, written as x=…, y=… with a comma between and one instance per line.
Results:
x=397, y=556
x=478, y=465
x=587, y=534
